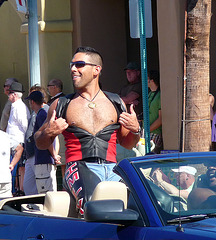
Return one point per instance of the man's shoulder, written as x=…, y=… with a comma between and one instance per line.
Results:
x=114, y=97
x=62, y=104
x=158, y=95
x=41, y=112
x=111, y=94
x=116, y=100
x=19, y=103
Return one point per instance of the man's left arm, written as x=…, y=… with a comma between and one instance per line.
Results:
x=18, y=153
x=54, y=154
x=131, y=97
x=157, y=123
x=128, y=134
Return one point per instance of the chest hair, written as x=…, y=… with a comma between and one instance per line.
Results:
x=92, y=120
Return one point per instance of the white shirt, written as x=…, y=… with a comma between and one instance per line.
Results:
x=5, y=144
x=190, y=188
x=18, y=121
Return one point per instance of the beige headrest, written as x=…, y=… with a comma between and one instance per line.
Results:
x=57, y=202
x=110, y=190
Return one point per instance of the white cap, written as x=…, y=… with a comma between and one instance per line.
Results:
x=186, y=169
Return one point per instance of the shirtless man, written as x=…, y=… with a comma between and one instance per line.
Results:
x=91, y=122
x=204, y=196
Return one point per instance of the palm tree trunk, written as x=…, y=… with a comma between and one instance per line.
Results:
x=197, y=112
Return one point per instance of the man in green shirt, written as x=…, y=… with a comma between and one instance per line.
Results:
x=155, y=116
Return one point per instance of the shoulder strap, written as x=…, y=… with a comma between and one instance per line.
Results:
x=63, y=104
x=117, y=102
x=155, y=94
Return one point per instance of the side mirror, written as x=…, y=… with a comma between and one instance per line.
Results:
x=109, y=211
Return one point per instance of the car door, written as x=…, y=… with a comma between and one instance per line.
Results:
x=68, y=228
x=13, y=226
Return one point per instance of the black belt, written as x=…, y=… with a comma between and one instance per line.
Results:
x=96, y=160
x=92, y=160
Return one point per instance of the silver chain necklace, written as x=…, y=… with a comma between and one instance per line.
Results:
x=91, y=104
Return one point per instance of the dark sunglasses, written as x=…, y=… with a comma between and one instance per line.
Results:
x=49, y=85
x=80, y=64
x=6, y=85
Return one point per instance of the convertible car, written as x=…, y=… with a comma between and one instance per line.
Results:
x=137, y=207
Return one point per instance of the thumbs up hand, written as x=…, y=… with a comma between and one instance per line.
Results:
x=129, y=120
x=56, y=126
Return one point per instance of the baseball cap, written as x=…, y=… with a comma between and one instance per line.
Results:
x=36, y=96
x=132, y=66
x=186, y=169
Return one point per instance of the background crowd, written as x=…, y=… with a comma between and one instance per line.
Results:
x=30, y=167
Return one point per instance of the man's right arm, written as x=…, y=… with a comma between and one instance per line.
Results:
x=130, y=98
x=51, y=128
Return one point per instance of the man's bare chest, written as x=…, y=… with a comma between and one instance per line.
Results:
x=81, y=115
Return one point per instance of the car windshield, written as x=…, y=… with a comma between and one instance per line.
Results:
x=181, y=187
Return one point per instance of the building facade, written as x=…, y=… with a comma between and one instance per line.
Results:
x=64, y=25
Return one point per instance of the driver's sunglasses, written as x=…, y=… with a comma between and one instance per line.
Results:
x=80, y=64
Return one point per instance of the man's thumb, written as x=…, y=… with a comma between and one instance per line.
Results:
x=132, y=108
x=53, y=116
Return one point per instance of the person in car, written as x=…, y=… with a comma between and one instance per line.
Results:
x=204, y=196
x=91, y=121
x=185, y=176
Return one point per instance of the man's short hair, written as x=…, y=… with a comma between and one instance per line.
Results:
x=91, y=52
x=155, y=76
x=57, y=82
